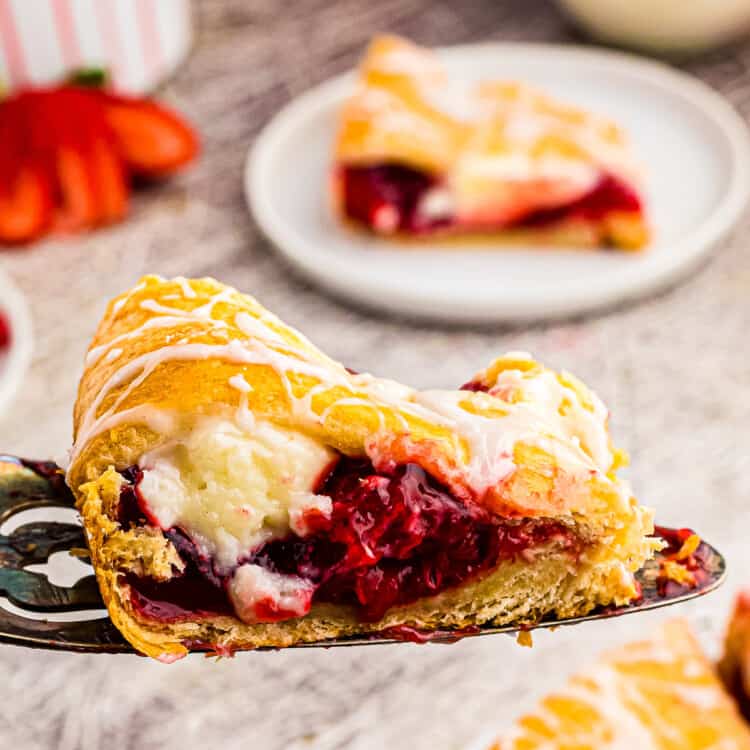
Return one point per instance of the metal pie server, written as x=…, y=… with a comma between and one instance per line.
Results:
x=28, y=486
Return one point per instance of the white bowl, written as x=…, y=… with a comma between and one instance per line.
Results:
x=663, y=26
x=15, y=361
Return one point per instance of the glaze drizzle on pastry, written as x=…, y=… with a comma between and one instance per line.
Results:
x=231, y=476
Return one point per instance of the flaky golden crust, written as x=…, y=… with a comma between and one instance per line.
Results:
x=397, y=115
x=436, y=138
x=342, y=412
x=150, y=373
x=195, y=386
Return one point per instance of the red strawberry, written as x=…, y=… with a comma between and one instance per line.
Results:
x=109, y=177
x=90, y=175
x=67, y=152
x=152, y=140
x=25, y=207
x=106, y=168
x=78, y=207
x=25, y=194
x=54, y=129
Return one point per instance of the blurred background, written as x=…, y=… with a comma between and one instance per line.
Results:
x=673, y=370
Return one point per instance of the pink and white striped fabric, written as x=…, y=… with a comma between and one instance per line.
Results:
x=140, y=42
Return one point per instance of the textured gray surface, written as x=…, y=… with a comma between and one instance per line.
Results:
x=674, y=370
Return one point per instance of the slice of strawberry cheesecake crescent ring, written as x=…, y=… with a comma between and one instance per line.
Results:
x=241, y=489
x=419, y=155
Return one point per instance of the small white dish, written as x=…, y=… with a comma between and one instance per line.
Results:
x=14, y=361
x=695, y=147
x=671, y=27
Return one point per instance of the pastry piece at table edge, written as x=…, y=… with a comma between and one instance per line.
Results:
x=660, y=692
x=418, y=156
x=241, y=489
x=734, y=666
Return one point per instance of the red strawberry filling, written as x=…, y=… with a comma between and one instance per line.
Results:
x=391, y=539
x=388, y=198
x=4, y=332
x=695, y=564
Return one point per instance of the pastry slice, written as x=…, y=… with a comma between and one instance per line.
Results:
x=657, y=694
x=419, y=155
x=734, y=666
x=241, y=489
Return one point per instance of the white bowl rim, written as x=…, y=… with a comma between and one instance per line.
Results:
x=16, y=361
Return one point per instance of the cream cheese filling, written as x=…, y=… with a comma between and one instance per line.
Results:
x=232, y=489
x=260, y=595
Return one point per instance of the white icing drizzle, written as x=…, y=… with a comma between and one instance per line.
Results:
x=187, y=291
x=703, y=697
x=256, y=327
x=492, y=439
x=543, y=393
x=169, y=316
x=578, y=439
x=239, y=383
x=407, y=60
x=393, y=118
x=522, y=167
x=244, y=417
x=203, y=312
x=162, y=321
x=139, y=368
x=120, y=303
x=456, y=100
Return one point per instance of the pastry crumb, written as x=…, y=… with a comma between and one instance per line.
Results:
x=524, y=639
x=673, y=571
x=689, y=546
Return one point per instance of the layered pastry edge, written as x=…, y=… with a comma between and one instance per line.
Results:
x=418, y=155
x=183, y=373
x=658, y=692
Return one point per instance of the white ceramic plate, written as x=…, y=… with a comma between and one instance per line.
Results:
x=14, y=361
x=695, y=148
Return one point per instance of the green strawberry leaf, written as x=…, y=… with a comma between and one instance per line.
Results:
x=89, y=77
